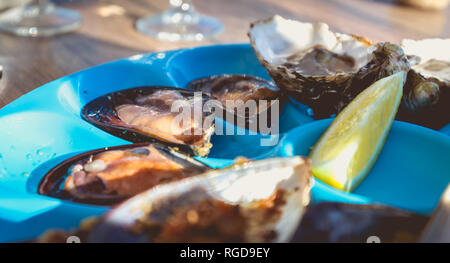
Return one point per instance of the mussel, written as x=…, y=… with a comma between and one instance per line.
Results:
x=320, y=68
x=260, y=201
x=331, y=222
x=173, y=116
x=243, y=97
x=110, y=175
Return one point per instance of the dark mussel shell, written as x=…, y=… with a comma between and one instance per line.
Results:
x=53, y=182
x=239, y=87
x=102, y=113
x=332, y=222
x=217, y=206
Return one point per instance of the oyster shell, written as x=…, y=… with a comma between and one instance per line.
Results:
x=235, y=94
x=261, y=201
x=426, y=99
x=429, y=57
x=320, y=68
x=145, y=114
x=109, y=175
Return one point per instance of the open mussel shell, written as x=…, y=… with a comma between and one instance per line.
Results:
x=260, y=201
x=109, y=175
x=320, y=68
x=241, y=98
x=144, y=114
x=332, y=222
x=426, y=99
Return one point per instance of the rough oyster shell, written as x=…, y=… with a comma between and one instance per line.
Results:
x=276, y=40
x=426, y=99
x=268, y=196
x=143, y=114
x=127, y=170
x=429, y=57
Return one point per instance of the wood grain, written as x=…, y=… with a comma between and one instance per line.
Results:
x=105, y=36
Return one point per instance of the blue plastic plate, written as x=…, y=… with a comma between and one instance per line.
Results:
x=44, y=127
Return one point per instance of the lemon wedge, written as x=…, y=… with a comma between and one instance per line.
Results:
x=344, y=154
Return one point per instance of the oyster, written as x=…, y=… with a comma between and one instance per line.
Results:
x=427, y=89
x=109, y=175
x=261, y=201
x=320, y=68
x=340, y=222
x=236, y=93
x=152, y=114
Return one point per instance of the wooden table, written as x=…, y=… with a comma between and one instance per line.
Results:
x=108, y=32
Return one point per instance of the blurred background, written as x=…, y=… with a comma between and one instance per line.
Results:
x=91, y=32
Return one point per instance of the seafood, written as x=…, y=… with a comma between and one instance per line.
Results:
x=437, y=229
x=235, y=93
x=341, y=222
x=152, y=114
x=260, y=201
x=109, y=175
x=427, y=89
x=320, y=68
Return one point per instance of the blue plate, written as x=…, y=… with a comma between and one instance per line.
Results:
x=411, y=171
x=44, y=127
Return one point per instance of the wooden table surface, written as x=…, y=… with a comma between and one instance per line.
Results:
x=108, y=32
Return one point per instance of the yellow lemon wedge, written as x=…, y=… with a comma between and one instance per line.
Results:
x=344, y=154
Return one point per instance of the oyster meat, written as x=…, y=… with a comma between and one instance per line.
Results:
x=426, y=99
x=109, y=175
x=260, y=201
x=320, y=68
x=242, y=96
x=152, y=114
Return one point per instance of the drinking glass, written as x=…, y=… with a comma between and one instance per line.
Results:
x=39, y=18
x=180, y=23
